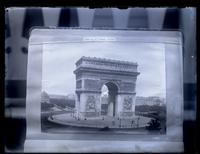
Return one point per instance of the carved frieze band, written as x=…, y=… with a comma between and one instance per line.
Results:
x=118, y=65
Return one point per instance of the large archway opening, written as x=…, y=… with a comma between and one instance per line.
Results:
x=109, y=93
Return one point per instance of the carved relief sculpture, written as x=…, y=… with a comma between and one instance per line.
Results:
x=90, y=106
x=127, y=105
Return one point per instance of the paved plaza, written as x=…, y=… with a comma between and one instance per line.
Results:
x=100, y=122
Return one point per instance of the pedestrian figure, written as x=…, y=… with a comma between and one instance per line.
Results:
x=138, y=121
x=132, y=122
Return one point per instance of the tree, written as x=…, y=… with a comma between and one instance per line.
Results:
x=154, y=124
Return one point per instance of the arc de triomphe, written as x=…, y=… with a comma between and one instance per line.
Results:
x=119, y=77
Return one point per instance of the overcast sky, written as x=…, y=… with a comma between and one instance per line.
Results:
x=59, y=63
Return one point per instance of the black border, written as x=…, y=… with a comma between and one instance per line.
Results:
x=123, y=4
x=193, y=127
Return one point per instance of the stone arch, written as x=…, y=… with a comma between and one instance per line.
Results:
x=110, y=107
x=111, y=82
x=120, y=78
